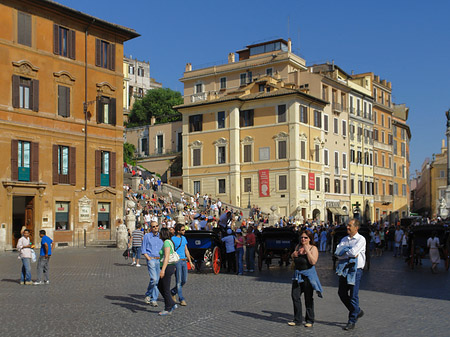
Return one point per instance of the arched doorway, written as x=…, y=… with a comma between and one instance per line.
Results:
x=316, y=214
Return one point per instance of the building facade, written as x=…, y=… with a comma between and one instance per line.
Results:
x=60, y=134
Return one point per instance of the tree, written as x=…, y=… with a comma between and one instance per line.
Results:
x=128, y=153
x=157, y=103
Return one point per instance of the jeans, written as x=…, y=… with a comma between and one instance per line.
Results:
x=250, y=257
x=181, y=274
x=240, y=259
x=153, y=271
x=349, y=296
x=137, y=253
x=398, y=250
x=323, y=245
x=26, y=270
x=42, y=268
x=164, y=287
x=296, y=294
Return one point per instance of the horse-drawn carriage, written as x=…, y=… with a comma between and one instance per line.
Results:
x=341, y=231
x=205, y=248
x=417, y=243
x=275, y=243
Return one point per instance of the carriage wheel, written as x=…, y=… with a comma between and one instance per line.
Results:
x=216, y=260
x=412, y=255
x=260, y=257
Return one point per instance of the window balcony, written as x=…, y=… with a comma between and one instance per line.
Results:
x=201, y=96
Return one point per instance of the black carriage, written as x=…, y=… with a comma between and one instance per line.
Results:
x=417, y=243
x=276, y=243
x=205, y=248
x=340, y=232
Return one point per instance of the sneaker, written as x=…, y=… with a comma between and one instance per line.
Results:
x=38, y=283
x=138, y=265
x=21, y=282
x=308, y=325
x=47, y=282
x=173, y=308
x=153, y=304
x=183, y=303
x=133, y=263
x=292, y=323
x=28, y=283
x=147, y=299
x=165, y=313
x=174, y=298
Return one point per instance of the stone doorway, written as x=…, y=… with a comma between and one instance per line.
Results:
x=23, y=216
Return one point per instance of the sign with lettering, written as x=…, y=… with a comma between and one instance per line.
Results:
x=311, y=181
x=264, y=186
x=84, y=210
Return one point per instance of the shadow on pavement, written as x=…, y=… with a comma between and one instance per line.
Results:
x=129, y=303
x=273, y=316
x=10, y=280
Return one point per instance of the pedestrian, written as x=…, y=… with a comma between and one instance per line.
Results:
x=151, y=245
x=240, y=242
x=47, y=247
x=433, y=244
x=230, y=251
x=250, y=246
x=24, y=246
x=136, y=244
x=323, y=240
x=167, y=270
x=305, y=279
x=398, y=236
x=181, y=272
x=351, y=252
x=378, y=244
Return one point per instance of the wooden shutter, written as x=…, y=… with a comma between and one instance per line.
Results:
x=34, y=174
x=98, y=166
x=35, y=95
x=56, y=39
x=55, y=164
x=67, y=93
x=14, y=160
x=71, y=44
x=112, y=171
x=72, y=166
x=24, y=28
x=112, y=111
x=112, y=57
x=15, y=91
x=98, y=54
x=99, y=110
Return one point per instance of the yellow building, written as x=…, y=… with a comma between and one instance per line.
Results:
x=62, y=166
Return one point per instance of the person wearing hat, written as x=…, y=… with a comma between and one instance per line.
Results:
x=240, y=242
x=230, y=250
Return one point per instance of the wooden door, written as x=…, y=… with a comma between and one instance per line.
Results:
x=29, y=218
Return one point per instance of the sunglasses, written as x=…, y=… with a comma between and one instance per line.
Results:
x=154, y=226
x=304, y=237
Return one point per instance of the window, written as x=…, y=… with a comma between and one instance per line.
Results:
x=243, y=79
x=395, y=189
x=261, y=87
x=336, y=126
x=24, y=28
x=197, y=186
x=352, y=110
x=325, y=122
x=352, y=186
x=63, y=101
x=25, y=93
x=382, y=160
x=247, y=153
x=282, y=151
x=223, y=83
x=105, y=168
x=105, y=54
x=62, y=216
x=195, y=123
x=303, y=182
x=375, y=134
x=395, y=147
x=337, y=186
x=303, y=114
x=317, y=184
x=246, y=118
x=141, y=72
x=382, y=120
x=282, y=113
x=318, y=119
x=344, y=186
x=198, y=88
x=180, y=142
x=302, y=150
x=382, y=137
x=222, y=187
x=64, y=161
x=336, y=162
x=282, y=182
x=63, y=41
x=131, y=69
x=358, y=107
x=352, y=156
x=269, y=71
x=104, y=219
x=159, y=144
x=395, y=169
x=24, y=160
x=325, y=93
x=403, y=189
x=389, y=139
x=317, y=153
x=221, y=155
x=327, y=185
x=196, y=154
x=325, y=157
x=221, y=120
x=344, y=128
x=403, y=134
x=106, y=110
x=389, y=122
x=247, y=184
x=360, y=187
x=24, y=149
x=403, y=150
x=344, y=161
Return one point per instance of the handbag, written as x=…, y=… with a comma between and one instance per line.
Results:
x=126, y=254
x=173, y=257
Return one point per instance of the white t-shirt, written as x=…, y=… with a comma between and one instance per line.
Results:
x=433, y=242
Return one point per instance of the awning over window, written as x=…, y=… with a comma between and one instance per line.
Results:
x=337, y=211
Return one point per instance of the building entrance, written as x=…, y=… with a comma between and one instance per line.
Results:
x=23, y=215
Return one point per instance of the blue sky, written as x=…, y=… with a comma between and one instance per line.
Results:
x=405, y=42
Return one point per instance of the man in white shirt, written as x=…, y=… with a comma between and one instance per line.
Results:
x=398, y=241
x=348, y=293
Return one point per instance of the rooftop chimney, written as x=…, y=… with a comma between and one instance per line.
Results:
x=289, y=45
x=188, y=67
x=377, y=78
x=383, y=82
x=152, y=120
x=389, y=84
x=231, y=58
x=443, y=148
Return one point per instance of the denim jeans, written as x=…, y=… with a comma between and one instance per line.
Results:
x=137, y=253
x=42, y=268
x=26, y=270
x=181, y=274
x=323, y=245
x=153, y=271
x=250, y=257
x=349, y=296
x=240, y=260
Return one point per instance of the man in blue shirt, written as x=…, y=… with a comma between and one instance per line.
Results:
x=47, y=245
x=180, y=245
x=231, y=251
x=151, y=245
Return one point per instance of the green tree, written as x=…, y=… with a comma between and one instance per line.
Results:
x=128, y=153
x=157, y=103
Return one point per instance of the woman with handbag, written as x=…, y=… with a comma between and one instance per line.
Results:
x=168, y=259
x=25, y=248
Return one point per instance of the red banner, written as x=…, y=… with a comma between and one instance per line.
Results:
x=312, y=181
x=264, y=190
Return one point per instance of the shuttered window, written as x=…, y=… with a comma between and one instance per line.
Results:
x=282, y=183
x=64, y=165
x=24, y=160
x=196, y=154
x=106, y=110
x=247, y=153
x=303, y=150
x=25, y=93
x=105, y=54
x=24, y=28
x=281, y=113
x=247, y=184
x=195, y=123
x=63, y=41
x=303, y=114
x=246, y=118
x=63, y=101
x=282, y=149
x=105, y=168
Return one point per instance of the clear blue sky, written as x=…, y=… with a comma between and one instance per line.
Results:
x=405, y=42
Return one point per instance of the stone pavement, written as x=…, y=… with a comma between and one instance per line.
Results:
x=95, y=292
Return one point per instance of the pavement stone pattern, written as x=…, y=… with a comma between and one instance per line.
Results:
x=95, y=292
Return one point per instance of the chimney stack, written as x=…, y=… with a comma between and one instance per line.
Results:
x=188, y=67
x=443, y=147
x=289, y=45
x=152, y=120
x=231, y=58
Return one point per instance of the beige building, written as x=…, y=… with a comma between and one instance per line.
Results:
x=60, y=133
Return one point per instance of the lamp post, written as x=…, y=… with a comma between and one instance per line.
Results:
x=444, y=203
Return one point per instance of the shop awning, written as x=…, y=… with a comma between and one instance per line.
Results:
x=337, y=211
